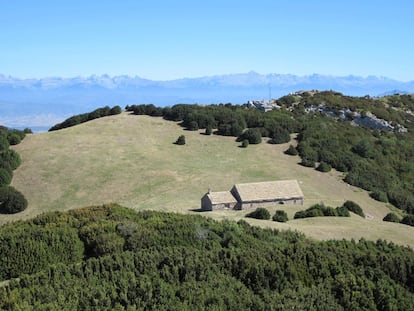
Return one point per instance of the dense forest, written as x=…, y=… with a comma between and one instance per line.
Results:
x=112, y=258
x=374, y=159
x=11, y=200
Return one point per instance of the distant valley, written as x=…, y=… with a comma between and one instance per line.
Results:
x=41, y=103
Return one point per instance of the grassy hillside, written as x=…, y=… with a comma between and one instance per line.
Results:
x=132, y=160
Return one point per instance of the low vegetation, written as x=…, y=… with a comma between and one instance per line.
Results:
x=291, y=151
x=324, y=167
x=354, y=208
x=408, y=220
x=110, y=257
x=259, y=213
x=180, y=140
x=280, y=216
x=12, y=201
x=245, y=143
x=391, y=217
x=319, y=210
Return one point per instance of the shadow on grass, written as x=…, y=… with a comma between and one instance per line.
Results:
x=197, y=210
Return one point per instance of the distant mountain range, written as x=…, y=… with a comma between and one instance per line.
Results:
x=40, y=103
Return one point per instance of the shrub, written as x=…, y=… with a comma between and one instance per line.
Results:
x=354, y=208
x=280, y=136
x=9, y=158
x=391, y=217
x=314, y=211
x=263, y=131
x=329, y=211
x=252, y=135
x=14, y=139
x=408, y=220
x=291, y=151
x=209, y=130
x=193, y=126
x=115, y=110
x=259, y=213
x=180, y=140
x=307, y=162
x=300, y=214
x=280, y=216
x=4, y=143
x=107, y=243
x=319, y=210
x=379, y=196
x=342, y=211
x=324, y=167
x=11, y=201
x=245, y=143
x=97, y=113
x=5, y=177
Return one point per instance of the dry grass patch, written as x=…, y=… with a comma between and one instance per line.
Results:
x=132, y=160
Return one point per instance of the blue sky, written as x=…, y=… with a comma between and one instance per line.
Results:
x=169, y=39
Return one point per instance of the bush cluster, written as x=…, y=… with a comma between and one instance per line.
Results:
x=228, y=119
x=319, y=210
x=253, y=136
x=291, y=151
x=324, y=167
x=259, y=213
x=280, y=216
x=354, y=208
x=11, y=200
x=84, y=117
x=406, y=220
x=391, y=217
x=379, y=196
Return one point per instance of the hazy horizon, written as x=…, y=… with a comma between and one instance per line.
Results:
x=268, y=74
x=168, y=40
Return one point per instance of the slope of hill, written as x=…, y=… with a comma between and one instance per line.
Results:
x=132, y=160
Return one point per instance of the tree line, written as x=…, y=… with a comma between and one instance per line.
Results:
x=11, y=200
x=227, y=120
x=85, y=117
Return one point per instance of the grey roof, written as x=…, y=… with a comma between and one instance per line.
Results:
x=270, y=190
x=221, y=197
